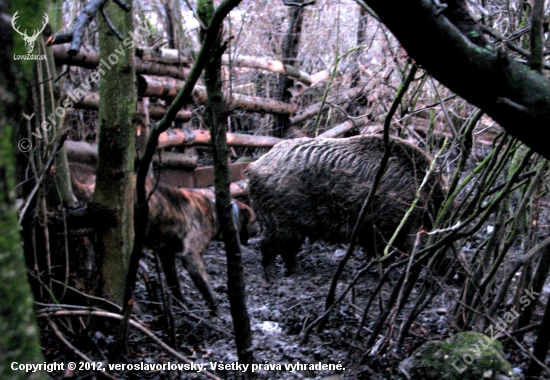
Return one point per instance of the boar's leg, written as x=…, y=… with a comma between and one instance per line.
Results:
x=192, y=261
x=246, y=225
x=289, y=253
x=287, y=247
x=168, y=261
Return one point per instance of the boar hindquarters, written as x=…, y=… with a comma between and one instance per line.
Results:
x=315, y=188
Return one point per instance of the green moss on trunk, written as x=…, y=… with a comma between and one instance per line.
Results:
x=116, y=150
x=18, y=329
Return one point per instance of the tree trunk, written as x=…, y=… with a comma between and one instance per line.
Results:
x=169, y=20
x=19, y=340
x=116, y=153
x=58, y=185
x=90, y=101
x=291, y=44
x=215, y=117
x=353, y=108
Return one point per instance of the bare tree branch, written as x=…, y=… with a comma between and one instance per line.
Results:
x=76, y=35
x=483, y=76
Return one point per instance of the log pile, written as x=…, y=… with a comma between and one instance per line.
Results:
x=161, y=74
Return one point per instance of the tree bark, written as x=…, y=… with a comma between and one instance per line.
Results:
x=183, y=98
x=215, y=117
x=340, y=129
x=291, y=44
x=169, y=21
x=173, y=56
x=90, y=101
x=19, y=339
x=312, y=110
x=60, y=182
x=200, y=137
x=169, y=88
x=116, y=153
x=514, y=96
x=88, y=57
x=353, y=108
x=85, y=153
x=537, y=36
x=167, y=62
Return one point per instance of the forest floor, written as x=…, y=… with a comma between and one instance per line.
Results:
x=279, y=312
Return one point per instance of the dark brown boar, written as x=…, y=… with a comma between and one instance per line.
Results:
x=316, y=187
x=182, y=223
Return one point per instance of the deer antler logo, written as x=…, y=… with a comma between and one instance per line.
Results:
x=29, y=40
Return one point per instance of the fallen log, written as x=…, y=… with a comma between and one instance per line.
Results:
x=171, y=63
x=312, y=110
x=176, y=160
x=157, y=112
x=341, y=129
x=177, y=137
x=85, y=153
x=173, y=56
x=169, y=87
x=88, y=57
x=81, y=152
x=90, y=101
x=180, y=178
x=271, y=65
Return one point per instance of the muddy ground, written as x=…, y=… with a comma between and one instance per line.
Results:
x=279, y=312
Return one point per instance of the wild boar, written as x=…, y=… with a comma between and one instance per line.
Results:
x=182, y=223
x=316, y=187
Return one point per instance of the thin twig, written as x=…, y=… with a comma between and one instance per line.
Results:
x=133, y=323
x=370, y=197
x=326, y=313
x=104, y=300
x=77, y=352
x=49, y=164
x=183, y=97
x=493, y=322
